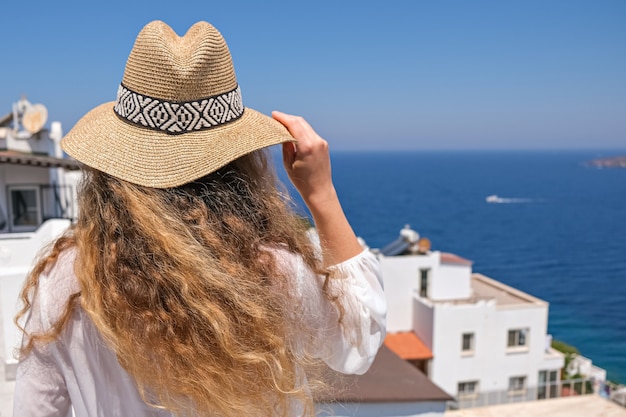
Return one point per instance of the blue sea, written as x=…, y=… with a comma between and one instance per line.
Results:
x=559, y=232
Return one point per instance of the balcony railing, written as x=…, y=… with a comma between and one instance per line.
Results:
x=554, y=389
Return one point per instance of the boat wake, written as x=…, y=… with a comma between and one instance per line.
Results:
x=494, y=199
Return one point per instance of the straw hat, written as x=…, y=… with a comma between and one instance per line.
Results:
x=178, y=114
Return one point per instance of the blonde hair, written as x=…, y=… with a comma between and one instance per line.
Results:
x=182, y=284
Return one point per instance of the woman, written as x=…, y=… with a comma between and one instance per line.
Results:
x=187, y=287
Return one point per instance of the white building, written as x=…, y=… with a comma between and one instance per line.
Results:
x=580, y=365
x=37, y=201
x=34, y=180
x=487, y=338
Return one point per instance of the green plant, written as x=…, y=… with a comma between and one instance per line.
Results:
x=564, y=347
x=570, y=353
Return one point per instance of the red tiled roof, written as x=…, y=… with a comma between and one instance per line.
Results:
x=407, y=346
x=450, y=258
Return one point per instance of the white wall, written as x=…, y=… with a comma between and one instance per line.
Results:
x=11, y=281
x=31, y=145
x=492, y=363
x=17, y=252
x=401, y=278
x=423, y=320
x=451, y=282
x=449, y=366
x=23, y=174
x=19, y=249
x=584, y=366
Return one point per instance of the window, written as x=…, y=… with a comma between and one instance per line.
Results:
x=424, y=278
x=24, y=206
x=467, y=389
x=467, y=343
x=3, y=220
x=517, y=338
x=548, y=384
x=517, y=384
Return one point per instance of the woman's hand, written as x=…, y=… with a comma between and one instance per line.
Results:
x=308, y=165
x=307, y=161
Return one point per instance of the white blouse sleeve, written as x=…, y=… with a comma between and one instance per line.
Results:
x=40, y=387
x=349, y=346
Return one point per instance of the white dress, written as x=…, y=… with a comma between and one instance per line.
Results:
x=79, y=371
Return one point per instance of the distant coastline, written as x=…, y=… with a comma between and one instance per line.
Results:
x=614, y=162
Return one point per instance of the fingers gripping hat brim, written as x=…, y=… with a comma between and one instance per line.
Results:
x=156, y=159
x=179, y=114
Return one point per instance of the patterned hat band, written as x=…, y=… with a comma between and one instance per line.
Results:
x=176, y=117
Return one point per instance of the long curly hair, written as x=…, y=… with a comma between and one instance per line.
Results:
x=182, y=284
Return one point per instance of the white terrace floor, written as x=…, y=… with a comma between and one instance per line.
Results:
x=579, y=406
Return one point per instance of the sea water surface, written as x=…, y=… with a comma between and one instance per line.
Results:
x=558, y=232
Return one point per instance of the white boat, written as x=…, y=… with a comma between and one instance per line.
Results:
x=37, y=203
x=493, y=199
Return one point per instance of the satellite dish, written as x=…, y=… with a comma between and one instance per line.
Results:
x=34, y=117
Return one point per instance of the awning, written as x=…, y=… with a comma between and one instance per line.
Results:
x=408, y=346
x=8, y=157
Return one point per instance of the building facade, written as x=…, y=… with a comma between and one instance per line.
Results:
x=37, y=203
x=486, y=337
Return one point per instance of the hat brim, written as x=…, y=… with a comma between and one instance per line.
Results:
x=156, y=159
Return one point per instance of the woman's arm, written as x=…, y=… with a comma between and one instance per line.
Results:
x=352, y=346
x=307, y=163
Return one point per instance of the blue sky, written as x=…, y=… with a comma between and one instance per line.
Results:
x=533, y=74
